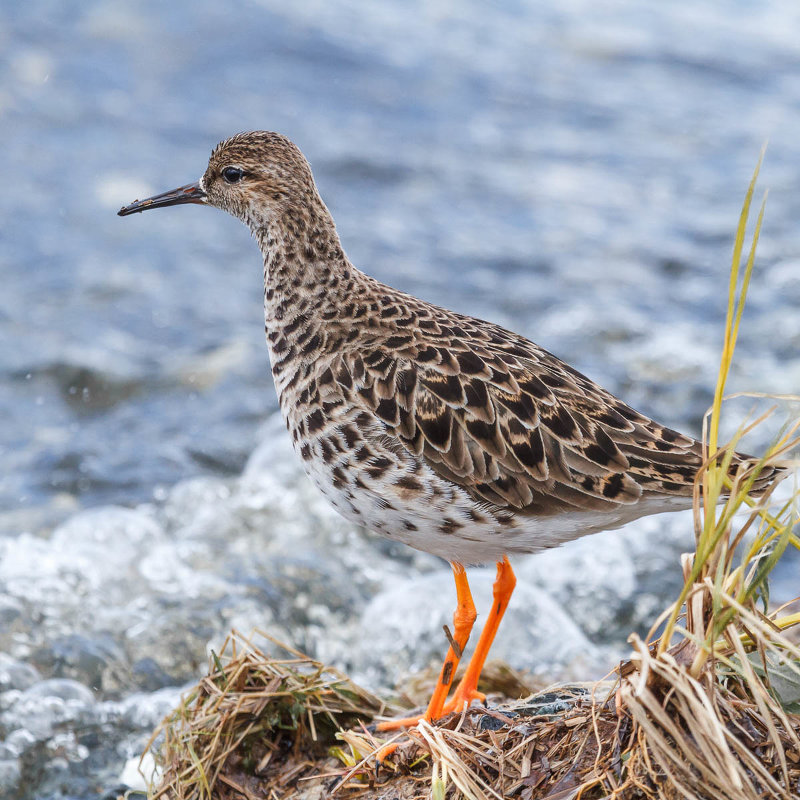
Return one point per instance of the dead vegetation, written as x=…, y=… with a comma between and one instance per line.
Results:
x=290, y=729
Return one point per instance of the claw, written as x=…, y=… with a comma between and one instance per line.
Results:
x=384, y=752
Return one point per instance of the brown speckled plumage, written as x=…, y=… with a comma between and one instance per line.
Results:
x=446, y=432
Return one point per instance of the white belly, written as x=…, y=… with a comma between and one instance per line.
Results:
x=442, y=521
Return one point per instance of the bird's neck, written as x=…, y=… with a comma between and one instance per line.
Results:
x=305, y=268
x=308, y=279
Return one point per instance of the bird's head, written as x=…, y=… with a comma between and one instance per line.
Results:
x=255, y=176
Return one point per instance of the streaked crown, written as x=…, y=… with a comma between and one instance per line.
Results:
x=257, y=176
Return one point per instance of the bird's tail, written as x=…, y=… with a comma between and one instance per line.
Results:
x=767, y=474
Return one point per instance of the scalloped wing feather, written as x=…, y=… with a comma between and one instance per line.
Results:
x=513, y=425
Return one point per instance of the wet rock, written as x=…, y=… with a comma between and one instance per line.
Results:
x=69, y=692
x=58, y=737
x=606, y=582
x=89, y=390
x=10, y=775
x=97, y=661
x=45, y=713
x=11, y=614
x=16, y=674
x=589, y=578
x=149, y=676
x=142, y=711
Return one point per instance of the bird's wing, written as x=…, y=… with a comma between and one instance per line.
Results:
x=516, y=427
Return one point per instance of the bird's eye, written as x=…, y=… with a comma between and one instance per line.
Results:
x=232, y=174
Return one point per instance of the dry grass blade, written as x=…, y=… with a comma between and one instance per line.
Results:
x=448, y=763
x=696, y=734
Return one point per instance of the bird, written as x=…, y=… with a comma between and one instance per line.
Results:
x=444, y=432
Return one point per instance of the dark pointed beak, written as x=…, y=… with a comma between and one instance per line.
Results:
x=191, y=193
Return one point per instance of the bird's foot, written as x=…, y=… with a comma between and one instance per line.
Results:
x=398, y=741
x=462, y=698
x=384, y=752
x=403, y=722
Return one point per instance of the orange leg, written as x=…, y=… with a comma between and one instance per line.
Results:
x=467, y=690
x=463, y=620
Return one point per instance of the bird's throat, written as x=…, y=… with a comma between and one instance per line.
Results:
x=308, y=281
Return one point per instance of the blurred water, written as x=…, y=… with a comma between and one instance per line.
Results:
x=572, y=170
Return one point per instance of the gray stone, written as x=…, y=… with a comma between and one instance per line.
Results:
x=16, y=674
x=10, y=775
x=63, y=689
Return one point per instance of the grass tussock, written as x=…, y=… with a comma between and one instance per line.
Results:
x=707, y=707
x=254, y=715
x=715, y=699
